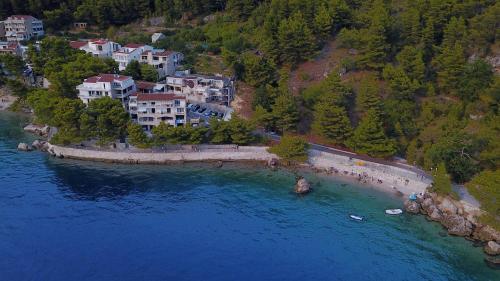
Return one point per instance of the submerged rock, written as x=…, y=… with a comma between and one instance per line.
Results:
x=492, y=248
x=492, y=262
x=412, y=206
x=24, y=147
x=219, y=164
x=302, y=186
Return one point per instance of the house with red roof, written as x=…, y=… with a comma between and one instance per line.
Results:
x=96, y=47
x=22, y=27
x=106, y=85
x=13, y=48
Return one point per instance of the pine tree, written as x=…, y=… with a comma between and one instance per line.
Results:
x=241, y=9
x=369, y=137
x=450, y=65
x=133, y=69
x=368, y=97
x=137, y=136
x=376, y=48
x=285, y=113
x=331, y=121
x=323, y=24
x=241, y=131
x=442, y=182
x=410, y=59
x=455, y=33
x=400, y=85
x=296, y=41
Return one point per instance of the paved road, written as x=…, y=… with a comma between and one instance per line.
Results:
x=359, y=157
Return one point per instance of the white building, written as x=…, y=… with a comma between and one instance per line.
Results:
x=165, y=62
x=96, y=47
x=13, y=48
x=156, y=37
x=22, y=27
x=107, y=85
x=128, y=53
x=201, y=88
x=149, y=110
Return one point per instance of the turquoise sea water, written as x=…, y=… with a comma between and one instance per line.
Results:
x=70, y=220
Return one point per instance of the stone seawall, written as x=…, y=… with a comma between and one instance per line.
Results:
x=246, y=153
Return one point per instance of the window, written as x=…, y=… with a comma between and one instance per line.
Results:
x=177, y=102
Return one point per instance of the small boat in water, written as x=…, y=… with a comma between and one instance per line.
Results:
x=358, y=218
x=394, y=211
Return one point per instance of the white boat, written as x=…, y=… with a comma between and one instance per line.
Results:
x=358, y=218
x=394, y=211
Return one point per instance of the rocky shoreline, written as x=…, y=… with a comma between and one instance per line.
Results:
x=459, y=219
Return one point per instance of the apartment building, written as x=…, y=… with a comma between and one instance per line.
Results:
x=149, y=87
x=165, y=62
x=96, y=47
x=2, y=31
x=202, y=89
x=149, y=110
x=22, y=27
x=128, y=53
x=13, y=48
x=107, y=85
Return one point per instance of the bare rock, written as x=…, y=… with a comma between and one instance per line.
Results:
x=486, y=233
x=492, y=248
x=302, y=186
x=40, y=130
x=457, y=225
x=447, y=206
x=492, y=262
x=219, y=164
x=412, y=206
x=434, y=213
x=273, y=162
x=426, y=205
x=24, y=147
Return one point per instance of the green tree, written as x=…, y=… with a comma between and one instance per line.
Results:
x=332, y=122
x=291, y=148
x=133, y=70
x=285, y=113
x=450, y=66
x=368, y=97
x=149, y=73
x=66, y=117
x=442, y=182
x=477, y=77
x=259, y=71
x=240, y=130
x=323, y=24
x=296, y=41
x=106, y=119
x=160, y=134
x=369, y=137
x=137, y=136
x=220, y=132
x=376, y=48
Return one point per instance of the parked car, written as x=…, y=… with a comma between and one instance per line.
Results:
x=214, y=114
x=196, y=107
x=221, y=115
x=208, y=113
x=189, y=106
x=202, y=110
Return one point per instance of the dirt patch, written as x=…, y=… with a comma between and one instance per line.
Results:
x=316, y=70
x=242, y=103
x=6, y=98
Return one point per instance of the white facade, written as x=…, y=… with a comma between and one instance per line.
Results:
x=22, y=27
x=106, y=85
x=156, y=37
x=200, y=88
x=165, y=62
x=13, y=48
x=97, y=47
x=128, y=53
x=149, y=110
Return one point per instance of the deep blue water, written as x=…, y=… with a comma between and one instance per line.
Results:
x=71, y=220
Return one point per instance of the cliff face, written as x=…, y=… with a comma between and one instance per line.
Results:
x=458, y=218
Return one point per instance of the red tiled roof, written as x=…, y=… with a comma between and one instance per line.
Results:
x=10, y=46
x=133, y=46
x=145, y=85
x=99, y=41
x=18, y=17
x=106, y=78
x=77, y=44
x=158, y=97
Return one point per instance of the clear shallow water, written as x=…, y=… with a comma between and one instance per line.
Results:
x=71, y=220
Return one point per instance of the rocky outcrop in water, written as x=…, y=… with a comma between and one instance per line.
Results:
x=40, y=145
x=458, y=219
x=302, y=186
x=492, y=248
x=24, y=147
x=39, y=130
x=412, y=207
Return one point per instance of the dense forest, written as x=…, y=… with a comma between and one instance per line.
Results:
x=424, y=90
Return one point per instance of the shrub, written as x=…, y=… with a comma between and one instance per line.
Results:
x=291, y=148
